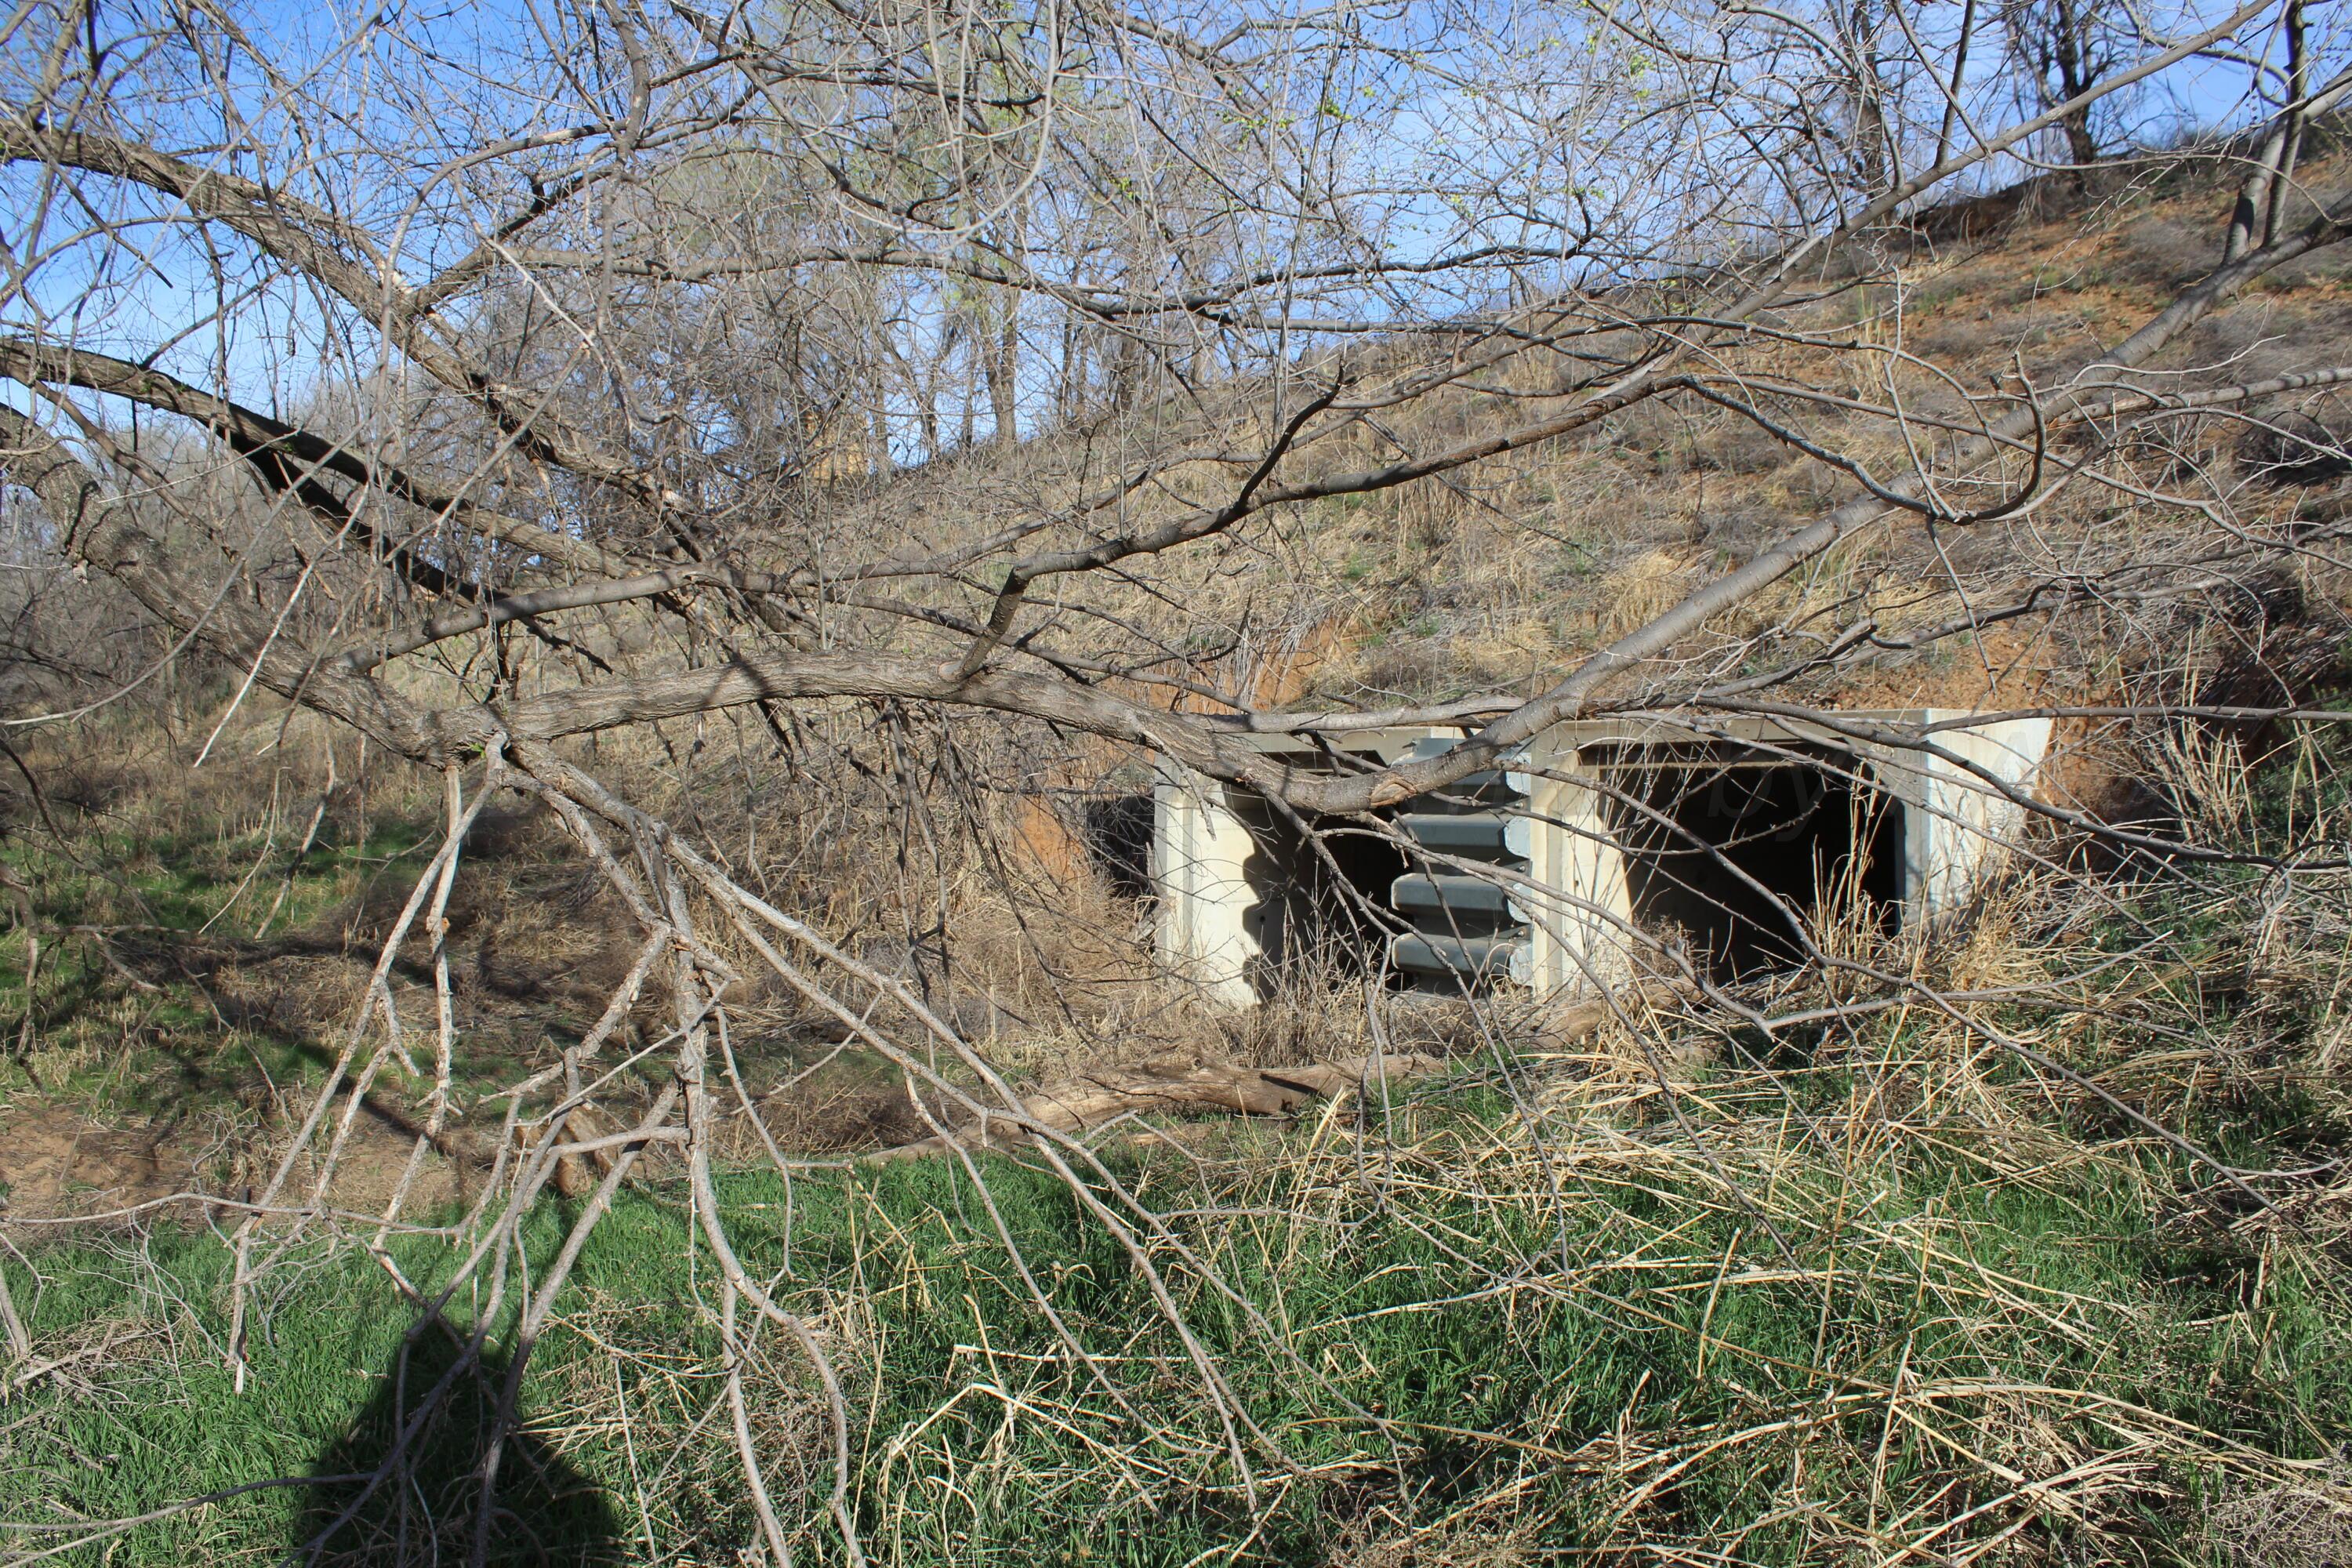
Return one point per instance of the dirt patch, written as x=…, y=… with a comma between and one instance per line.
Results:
x=56, y=1163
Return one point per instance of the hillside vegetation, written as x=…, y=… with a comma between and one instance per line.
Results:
x=1669, y=1288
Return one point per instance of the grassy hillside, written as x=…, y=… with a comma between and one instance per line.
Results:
x=1499, y=580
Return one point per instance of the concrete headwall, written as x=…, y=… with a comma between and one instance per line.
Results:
x=1962, y=795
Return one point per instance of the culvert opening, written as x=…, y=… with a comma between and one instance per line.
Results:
x=1731, y=847
x=1117, y=833
x=1313, y=911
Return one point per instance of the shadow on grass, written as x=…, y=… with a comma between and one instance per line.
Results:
x=384, y=1503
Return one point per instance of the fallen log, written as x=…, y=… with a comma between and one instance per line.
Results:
x=1096, y=1099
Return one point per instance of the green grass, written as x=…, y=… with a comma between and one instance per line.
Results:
x=1808, y=1327
x=174, y=906
x=1523, y=1354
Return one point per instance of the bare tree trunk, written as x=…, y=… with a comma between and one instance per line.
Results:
x=1004, y=373
x=2070, y=53
x=1959, y=81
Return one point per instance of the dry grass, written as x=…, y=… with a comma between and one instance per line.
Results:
x=1910, y=1277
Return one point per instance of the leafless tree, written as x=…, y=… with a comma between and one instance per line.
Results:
x=2068, y=49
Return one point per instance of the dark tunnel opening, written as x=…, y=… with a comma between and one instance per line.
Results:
x=1731, y=847
x=1318, y=913
x=1117, y=833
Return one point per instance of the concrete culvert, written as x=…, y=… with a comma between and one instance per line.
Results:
x=1554, y=870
